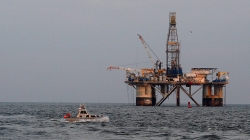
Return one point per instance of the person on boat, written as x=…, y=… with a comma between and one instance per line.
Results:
x=67, y=115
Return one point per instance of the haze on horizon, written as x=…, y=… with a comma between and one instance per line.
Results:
x=58, y=51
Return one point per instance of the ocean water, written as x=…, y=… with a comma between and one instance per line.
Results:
x=38, y=121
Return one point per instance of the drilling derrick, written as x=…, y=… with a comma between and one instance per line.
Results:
x=173, y=49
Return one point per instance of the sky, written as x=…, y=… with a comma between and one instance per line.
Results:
x=58, y=51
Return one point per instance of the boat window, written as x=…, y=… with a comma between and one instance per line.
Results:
x=93, y=116
x=83, y=112
x=81, y=116
x=87, y=115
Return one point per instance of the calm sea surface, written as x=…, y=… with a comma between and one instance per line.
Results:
x=35, y=121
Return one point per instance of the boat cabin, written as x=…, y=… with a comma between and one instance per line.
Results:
x=83, y=113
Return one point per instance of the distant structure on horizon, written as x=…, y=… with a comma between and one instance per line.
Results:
x=148, y=81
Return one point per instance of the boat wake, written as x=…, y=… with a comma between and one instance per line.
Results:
x=102, y=119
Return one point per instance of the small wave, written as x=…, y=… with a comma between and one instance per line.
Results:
x=103, y=119
x=210, y=137
x=14, y=116
x=58, y=120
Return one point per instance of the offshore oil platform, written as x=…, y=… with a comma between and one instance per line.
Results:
x=148, y=81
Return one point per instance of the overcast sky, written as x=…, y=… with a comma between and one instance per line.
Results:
x=58, y=50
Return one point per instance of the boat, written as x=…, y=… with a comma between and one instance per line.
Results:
x=84, y=116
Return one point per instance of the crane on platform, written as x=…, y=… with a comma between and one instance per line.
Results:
x=146, y=48
x=129, y=70
x=122, y=68
x=158, y=62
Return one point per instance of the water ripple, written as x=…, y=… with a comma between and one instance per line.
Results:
x=45, y=121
